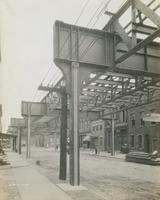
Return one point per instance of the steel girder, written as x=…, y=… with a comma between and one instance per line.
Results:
x=86, y=46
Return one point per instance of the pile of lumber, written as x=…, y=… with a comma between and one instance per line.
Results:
x=3, y=157
x=142, y=157
x=3, y=160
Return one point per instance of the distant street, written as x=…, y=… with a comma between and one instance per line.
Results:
x=106, y=178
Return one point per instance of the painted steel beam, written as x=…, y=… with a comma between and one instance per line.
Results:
x=119, y=75
x=133, y=92
x=63, y=137
x=154, y=9
x=144, y=29
x=100, y=55
x=154, y=87
x=139, y=46
x=50, y=89
x=96, y=87
x=56, y=86
x=108, y=82
x=150, y=3
x=118, y=14
x=123, y=71
x=129, y=107
x=155, y=18
x=121, y=31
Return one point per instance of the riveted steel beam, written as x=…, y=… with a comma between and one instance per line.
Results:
x=139, y=46
x=118, y=14
x=155, y=18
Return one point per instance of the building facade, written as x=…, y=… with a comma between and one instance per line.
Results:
x=102, y=132
x=86, y=118
x=143, y=136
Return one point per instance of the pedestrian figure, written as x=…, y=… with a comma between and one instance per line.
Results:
x=95, y=148
x=38, y=162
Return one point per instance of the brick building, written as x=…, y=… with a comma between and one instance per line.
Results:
x=86, y=118
x=143, y=136
x=102, y=133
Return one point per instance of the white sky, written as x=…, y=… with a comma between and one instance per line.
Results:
x=26, y=28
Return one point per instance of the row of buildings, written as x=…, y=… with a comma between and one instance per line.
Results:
x=95, y=130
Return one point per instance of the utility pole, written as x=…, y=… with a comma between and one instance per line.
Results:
x=63, y=136
x=19, y=140
x=29, y=131
x=63, y=130
x=112, y=127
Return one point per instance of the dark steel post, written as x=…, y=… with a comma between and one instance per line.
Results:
x=113, y=148
x=63, y=136
x=19, y=140
x=29, y=132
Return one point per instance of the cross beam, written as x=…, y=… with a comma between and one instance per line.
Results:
x=139, y=46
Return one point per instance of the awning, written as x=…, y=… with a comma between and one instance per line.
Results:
x=152, y=117
x=45, y=119
x=87, y=138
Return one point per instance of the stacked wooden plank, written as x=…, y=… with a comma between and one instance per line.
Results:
x=3, y=157
x=3, y=160
x=142, y=157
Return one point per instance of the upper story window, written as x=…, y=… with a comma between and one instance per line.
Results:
x=100, y=127
x=133, y=121
x=141, y=118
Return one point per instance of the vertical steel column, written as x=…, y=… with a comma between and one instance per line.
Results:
x=63, y=136
x=74, y=142
x=15, y=141
x=112, y=122
x=55, y=141
x=19, y=141
x=29, y=132
x=12, y=143
x=133, y=11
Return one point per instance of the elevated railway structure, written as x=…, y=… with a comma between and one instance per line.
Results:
x=107, y=70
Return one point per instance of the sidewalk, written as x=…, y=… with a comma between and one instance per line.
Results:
x=30, y=183
x=8, y=189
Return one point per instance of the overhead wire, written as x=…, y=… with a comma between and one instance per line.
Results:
x=94, y=40
x=36, y=92
x=46, y=73
x=93, y=16
x=55, y=75
x=76, y=21
x=83, y=8
x=90, y=21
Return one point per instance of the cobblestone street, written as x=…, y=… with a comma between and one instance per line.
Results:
x=105, y=177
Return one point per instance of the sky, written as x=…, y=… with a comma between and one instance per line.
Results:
x=26, y=39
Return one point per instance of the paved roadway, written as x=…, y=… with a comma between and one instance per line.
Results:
x=106, y=178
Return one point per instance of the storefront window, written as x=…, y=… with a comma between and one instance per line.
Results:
x=140, y=141
x=132, y=141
